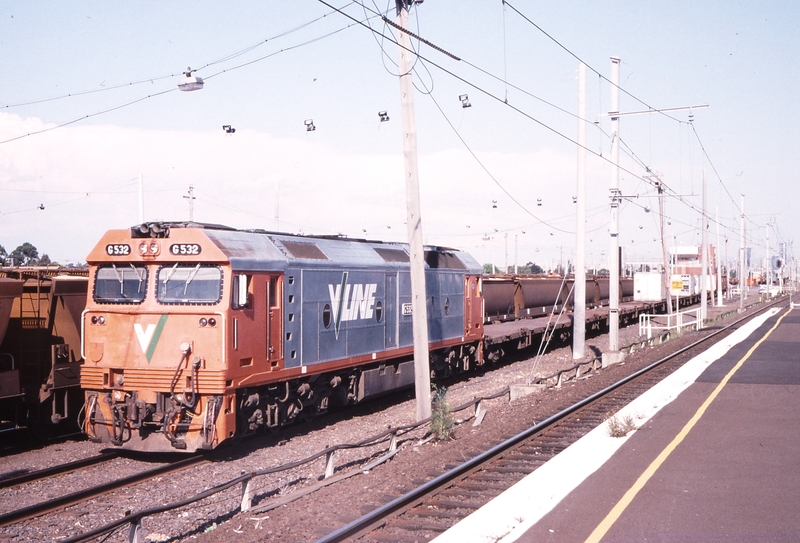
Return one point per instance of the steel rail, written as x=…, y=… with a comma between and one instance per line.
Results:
x=82, y=495
x=57, y=470
x=377, y=517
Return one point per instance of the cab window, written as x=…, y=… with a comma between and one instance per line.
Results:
x=240, y=291
x=120, y=284
x=189, y=284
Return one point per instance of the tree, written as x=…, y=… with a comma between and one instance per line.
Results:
x=25, y=255
x=531, y=268
x=3, y=255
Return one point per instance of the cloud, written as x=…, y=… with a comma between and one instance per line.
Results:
x=87, y=178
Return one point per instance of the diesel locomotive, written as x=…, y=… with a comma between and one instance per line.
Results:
x=197, y=333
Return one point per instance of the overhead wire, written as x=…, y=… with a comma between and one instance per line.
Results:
x=630, y=151
x=225, y=58
x=141, y=99
x=575, y=56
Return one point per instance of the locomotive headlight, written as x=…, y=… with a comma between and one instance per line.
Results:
x=203, y=322
x=143, y=248
x=154, y=248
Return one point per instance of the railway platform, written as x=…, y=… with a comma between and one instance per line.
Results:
x=715, y=457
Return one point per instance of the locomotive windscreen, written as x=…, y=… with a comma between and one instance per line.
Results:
x=120, y=284
x=189, y=284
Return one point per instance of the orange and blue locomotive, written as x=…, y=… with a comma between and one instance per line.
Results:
x=194, y=333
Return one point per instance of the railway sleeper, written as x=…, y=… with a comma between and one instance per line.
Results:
x=453, y=504
x=411, y=526
x=433, y=513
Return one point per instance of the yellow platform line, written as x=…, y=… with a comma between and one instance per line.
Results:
x=626, y=500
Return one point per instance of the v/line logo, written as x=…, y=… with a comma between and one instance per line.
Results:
x=148, y=337
x=351, y=302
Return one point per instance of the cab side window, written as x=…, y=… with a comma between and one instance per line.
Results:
x=240, y=291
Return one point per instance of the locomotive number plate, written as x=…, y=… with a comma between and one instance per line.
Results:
x=118, y=249
x=185, y=249
x=407, y=309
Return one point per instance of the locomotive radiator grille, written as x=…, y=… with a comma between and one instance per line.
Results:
x=208, y=382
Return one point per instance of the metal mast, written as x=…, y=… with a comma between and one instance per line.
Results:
x=742, y=263
x=579, y=319
x=613, y=255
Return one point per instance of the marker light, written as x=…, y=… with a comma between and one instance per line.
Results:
x=203, y=322
x=151, y=248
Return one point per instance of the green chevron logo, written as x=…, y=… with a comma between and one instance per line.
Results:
x=148, y=337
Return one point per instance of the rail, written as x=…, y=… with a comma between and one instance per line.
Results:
x=682, y=319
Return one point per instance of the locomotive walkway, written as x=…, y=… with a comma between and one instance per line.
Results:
x=716, y=458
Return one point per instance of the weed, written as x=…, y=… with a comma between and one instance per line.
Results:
x=619, y=427
x=442, y=423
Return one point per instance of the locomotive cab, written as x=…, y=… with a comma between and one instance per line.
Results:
x=163, y=337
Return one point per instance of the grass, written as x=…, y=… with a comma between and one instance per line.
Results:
x=619, y=427
x=442, y=423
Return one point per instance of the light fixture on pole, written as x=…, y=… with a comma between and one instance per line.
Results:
x=464, y=100
x=228, y=129
x=383, y=116
x=310, y=125
x=190, y=82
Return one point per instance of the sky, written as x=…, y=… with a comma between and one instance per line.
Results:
x=89, y=105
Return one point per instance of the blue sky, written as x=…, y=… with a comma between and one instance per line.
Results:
x=511, y=149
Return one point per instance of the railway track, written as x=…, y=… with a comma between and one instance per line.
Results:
x=60, y=469
x=83, y=495
x=432, y=508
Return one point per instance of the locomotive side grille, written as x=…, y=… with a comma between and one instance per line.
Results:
x=208, y=382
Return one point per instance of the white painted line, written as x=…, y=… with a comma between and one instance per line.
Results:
x=511, y=514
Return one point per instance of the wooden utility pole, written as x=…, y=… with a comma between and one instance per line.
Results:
x=419, y=309
x=191, y=199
